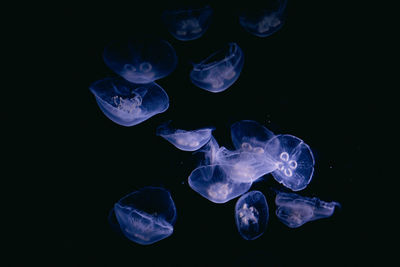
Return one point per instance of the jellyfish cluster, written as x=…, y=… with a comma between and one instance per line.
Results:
x=147, y=215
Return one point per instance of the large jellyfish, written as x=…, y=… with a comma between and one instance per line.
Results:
x=213, y=183
x=294, y=159
x=188, y=23
x=266, y=20
x=220, y=70
x=250, y=136
x=141, y=60
x=129, y=104
x=294, y=210
x=251, y=215
x=185, y=140
x=147, y=215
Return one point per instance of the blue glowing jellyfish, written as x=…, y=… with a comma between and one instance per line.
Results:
x=220, y=70
x=147, y=215
x=294, y=210
x=214, y=184
x=266, y=20
x=294, y=159
x=141, y=60
x=129, y=104
x=188, y=23
x=250, y=136
x=242, y=166
x=185, y=140
x=251, y=215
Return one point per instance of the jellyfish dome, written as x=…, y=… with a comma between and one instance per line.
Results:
x=188, y=23
x=147, y=215
x=183, y=139
x=220, y=70
x=294, y=159
x=265, y=20
x=250, y=136
x=251, y=215
x=128, y=104
x=140, y=60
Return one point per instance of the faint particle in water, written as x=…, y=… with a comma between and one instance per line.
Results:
x=146, y=216
x=183, y=139
x=294, y=210
x=294, y=159
x=213, y=183
x=220, y=70
x=188, y=23
x=251, y=215
x=264, y=20
x=140, y=60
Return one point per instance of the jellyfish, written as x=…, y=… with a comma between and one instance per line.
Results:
x=250, y=136
x=129, y=104
x=189, y=23
x=214, y=184
x=294, y=159
x=220, y=70
x=185, y=140
x=251, y=215
x=294, y=210
x=264, y=21
x=141, y=60
x=147, y=215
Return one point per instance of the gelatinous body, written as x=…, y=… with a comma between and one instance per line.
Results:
x=129, y=104
x=188, y=23
x=251, y=215
x=294, y=159
x=264, y=20
x=146, y=216
x=250, y=136
x=294, y=210
x=214, y=184
x=141, y=60
x=220, y=70
x=185, y=140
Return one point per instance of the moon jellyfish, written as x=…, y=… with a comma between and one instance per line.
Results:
x=220, y=70
x=188, y=23
x=129, y=104
x=294, y=210
x=250, y=136
x=266, y=20
x=185, y=140
x=141, y=60
x=243, y=166
x=251, y=215
x=214, y=184
x=146, y=216
x=294, y=159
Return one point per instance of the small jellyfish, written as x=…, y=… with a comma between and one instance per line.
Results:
x=294, y=210
x=251, y=215
x=214, y=184
x=294, y=159
x=147, y=215
x=266, y=20
x=141, y=60
x=185, y=140
x=129, y=104
x=220, y=70
x=188, y=23
x=250, y=136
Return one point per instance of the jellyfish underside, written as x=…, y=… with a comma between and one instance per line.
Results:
x=294, y=210
x=146, y=216
x=251, y=215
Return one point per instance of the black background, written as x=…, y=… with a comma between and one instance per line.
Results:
x=304, y=80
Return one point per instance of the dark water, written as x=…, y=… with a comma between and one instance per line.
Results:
x=299, y=81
